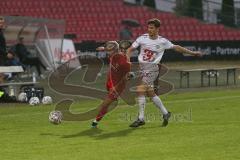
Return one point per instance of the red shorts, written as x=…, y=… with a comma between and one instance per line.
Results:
x=115, y=92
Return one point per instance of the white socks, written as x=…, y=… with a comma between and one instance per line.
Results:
x=141, y=103
x=157, y=101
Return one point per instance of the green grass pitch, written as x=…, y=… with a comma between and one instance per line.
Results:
x=205, y=126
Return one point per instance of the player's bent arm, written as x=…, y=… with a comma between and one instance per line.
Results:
x=181, y=49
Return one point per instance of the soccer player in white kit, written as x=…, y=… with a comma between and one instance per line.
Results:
x=152, y=47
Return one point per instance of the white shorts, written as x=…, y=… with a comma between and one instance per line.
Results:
x=149, y=73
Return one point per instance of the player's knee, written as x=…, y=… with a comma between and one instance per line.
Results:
x=151, y=95
x=141, y=89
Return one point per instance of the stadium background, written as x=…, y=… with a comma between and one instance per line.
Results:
x=202, y=26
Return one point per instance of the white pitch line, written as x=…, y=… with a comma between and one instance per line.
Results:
x=202, y=99
x=192, y=100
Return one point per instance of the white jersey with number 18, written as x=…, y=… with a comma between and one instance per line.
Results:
x=151, y=50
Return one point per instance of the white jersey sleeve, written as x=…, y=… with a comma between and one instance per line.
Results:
x=167, y=44
x=137, y=43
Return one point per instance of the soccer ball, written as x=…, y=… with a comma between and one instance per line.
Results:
x=34, y=101
x=22, y=97
x=47, y=100
x=55, y=117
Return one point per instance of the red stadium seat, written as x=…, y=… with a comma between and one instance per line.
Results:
x=101, y=20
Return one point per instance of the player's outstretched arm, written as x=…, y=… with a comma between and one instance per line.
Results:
x=100, y=48
x=187, y=51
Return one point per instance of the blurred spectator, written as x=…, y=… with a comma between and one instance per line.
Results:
x=12, y=60
x=2, y=47
x=138, y=2
x=149, y=3
x=25, y=56
x=2, y=78
x=2, y=42
x=125, y=33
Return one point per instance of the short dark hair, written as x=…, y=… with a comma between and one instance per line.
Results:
x=124, y=44
x=156, y=22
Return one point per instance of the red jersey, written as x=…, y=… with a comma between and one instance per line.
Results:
x=119, y=67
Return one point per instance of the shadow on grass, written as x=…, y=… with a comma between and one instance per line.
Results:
x=119, y=133
x=49, y=134
x=98, y=135
x=89, y=132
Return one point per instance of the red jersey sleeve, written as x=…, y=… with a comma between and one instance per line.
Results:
x=124, y=65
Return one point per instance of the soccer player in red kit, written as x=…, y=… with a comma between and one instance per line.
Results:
x=116, y=79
